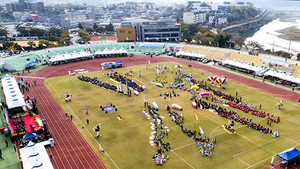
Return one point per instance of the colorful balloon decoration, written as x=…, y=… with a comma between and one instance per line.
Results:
x=224, y=80
x=217, y=80
x=210, y=78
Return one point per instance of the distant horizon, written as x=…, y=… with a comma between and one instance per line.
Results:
x=259, y=3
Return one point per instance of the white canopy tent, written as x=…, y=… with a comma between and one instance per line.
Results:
x=69, y=56
x=35, y=156
x=13, y=95
x=113, y=51
x=242, y=65
x=188, y=54
x=288, y=77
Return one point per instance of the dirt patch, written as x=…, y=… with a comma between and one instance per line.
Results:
x=290, y=33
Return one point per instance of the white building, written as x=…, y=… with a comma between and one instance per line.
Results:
x=21, y=16
x=188, y=17
x=195, y=17
x=222, y=20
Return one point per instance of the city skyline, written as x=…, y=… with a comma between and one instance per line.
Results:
x=260, y=3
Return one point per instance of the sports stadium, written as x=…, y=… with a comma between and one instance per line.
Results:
x=149, y=105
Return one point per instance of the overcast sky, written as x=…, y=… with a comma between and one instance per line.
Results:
x=265, y=3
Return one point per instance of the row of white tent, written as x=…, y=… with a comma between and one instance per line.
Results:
x=281, y=75
x=35, y=156
x=11, y=90
x=69, y=56
x=113, y=51
x=242, y=65
x=190, y=54
x=288, y=77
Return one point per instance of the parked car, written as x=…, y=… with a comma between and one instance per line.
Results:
x=157, y=53
x=206, y=61
x=147, y=53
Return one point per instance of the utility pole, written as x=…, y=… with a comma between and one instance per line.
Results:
x=289, y=46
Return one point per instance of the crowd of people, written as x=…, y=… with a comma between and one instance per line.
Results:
x=160, y=132
x=247, y=108
x=179, y=120
x=97, y=82
x=126, y=81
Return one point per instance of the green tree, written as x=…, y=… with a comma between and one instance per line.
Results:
x=42, y=42
x=89, y=29
x=65, y=38
x=30, y=44
x=54, y=38
x=109, y=27
x=95, y=26
x=82, y=33
x=3, y=32
x=86, y=38
x=99, y=29
x=80, y=26
x=239, y=40
x=32, y=31
x=55, y=31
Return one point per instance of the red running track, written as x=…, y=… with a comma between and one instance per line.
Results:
x=71, y=150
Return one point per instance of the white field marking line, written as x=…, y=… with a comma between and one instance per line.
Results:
x=243, y=162
x=268, y=158
x=257, y=146
x=214, y=130
x=30, y=77
x=183, y=160
x=290, y=140
x=183, y=146
x=259, y=162
x=293, y=121
x=85, y=127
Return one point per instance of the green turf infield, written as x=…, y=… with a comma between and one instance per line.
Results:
x=127, y=141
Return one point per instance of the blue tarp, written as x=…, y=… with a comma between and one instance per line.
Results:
x=31, y=64
x=120, y=63
x=108, y=64
x=29, y=135
x=113, y=64
x=108, y=108
x=149, y=45
x=289, y=154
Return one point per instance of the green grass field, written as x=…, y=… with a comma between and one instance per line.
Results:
x=127, y=141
